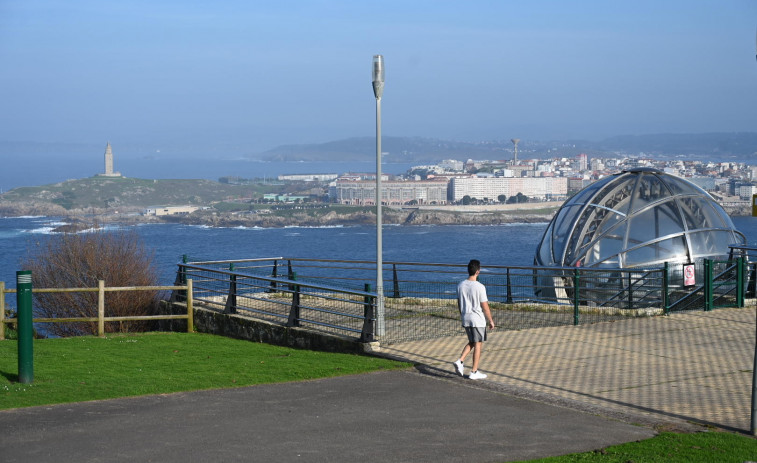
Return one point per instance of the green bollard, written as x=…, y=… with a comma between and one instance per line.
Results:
x=25, y=326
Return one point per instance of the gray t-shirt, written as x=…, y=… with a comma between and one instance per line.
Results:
x=470, y=295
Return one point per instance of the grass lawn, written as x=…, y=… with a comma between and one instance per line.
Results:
x=701, y=447
x=91, y=368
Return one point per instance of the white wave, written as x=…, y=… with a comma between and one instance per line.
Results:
x=41, y=231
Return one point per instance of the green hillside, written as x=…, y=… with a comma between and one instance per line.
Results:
x=111, y=192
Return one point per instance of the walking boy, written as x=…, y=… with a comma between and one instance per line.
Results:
x=475, y=315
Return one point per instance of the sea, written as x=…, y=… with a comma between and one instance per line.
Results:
x=507, y=244
x=511, y=244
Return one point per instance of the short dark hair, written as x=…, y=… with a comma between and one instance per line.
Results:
x=473, y=267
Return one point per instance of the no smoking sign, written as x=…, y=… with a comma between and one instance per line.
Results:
x=689, y=275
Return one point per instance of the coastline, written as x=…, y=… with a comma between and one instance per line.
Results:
x=79, y=220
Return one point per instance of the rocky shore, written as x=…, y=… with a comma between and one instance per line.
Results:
x=78, y=220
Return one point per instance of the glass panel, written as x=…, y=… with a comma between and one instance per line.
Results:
x=617, y=194
x=711, y=243
x=673, y=249
x=680, y=186
x=650, y=189
x=699, y=213
x=584, y=195
x=562, y=226
x=604, y=249
x=544, y=252
x=660, y=220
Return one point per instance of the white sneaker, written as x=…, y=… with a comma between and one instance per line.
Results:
x=459, y=367
x=477, y=375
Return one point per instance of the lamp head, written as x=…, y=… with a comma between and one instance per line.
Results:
x=378, y=75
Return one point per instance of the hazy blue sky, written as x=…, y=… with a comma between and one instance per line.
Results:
x=260, y=74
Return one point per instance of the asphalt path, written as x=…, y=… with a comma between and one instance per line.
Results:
x=389, y=416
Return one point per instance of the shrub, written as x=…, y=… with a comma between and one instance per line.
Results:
x=79, y=261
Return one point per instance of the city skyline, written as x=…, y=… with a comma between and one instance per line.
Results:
x=236, y=78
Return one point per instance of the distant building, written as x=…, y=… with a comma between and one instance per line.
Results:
x=361, y=192
x=492, y=187
x=170, y=210
x=309, y=177
x=109, y=163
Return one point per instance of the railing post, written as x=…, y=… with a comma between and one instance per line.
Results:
x=509, y=299
x=181, y=280
x=101, y=308
x=707, y=285
x=294, y=311
x=231, y=298
x=740, y=282
x=2, y=310
x=366, y=335
x=665, y=308
x=576, y=289
x=190, y=307
x=396, y=282
x=275, y=274
x=630, y=292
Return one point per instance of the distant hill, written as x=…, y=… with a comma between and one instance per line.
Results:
x=707, y=146
x=396, y=149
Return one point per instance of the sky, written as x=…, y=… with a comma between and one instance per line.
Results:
x=253, y=75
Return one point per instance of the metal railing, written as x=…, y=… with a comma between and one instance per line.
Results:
x=287, y=301
x=420, y=298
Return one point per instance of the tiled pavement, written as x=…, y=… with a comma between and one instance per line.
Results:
x=683, y=368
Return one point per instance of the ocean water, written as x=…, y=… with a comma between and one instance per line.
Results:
x=511, y=244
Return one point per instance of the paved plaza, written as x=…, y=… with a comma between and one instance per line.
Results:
x=675, y=370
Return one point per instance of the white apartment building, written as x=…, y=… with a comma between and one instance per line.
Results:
x=361, y=192
x=746, y=191
x=492, y=187
x=309, y=177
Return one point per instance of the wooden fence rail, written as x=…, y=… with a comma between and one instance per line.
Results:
x=101, y=318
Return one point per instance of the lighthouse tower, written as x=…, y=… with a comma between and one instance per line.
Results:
x=109, y=163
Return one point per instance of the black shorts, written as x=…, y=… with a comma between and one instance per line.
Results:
x=475, y=333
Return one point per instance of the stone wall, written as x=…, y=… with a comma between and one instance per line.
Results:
x=243, y=327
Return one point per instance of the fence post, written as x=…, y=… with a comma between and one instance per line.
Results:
x=509, y=299
x=101, y=308
x=231, y=299
x=665, y=289
x=366, y=335
x=707, y=285
x=630, y=292
x=396, y=282
x=272, y=288
x=190, y=308
x=2, y=310
x=740, y=282
x=294, y=311
x=576, y=283
x=25, y=326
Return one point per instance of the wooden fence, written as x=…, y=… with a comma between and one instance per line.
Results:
x=101, y=318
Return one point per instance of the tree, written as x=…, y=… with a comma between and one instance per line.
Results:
x=502, y=198
x=466, y=200
x=80, y=260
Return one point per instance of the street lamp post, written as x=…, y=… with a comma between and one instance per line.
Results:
x=378, y=90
